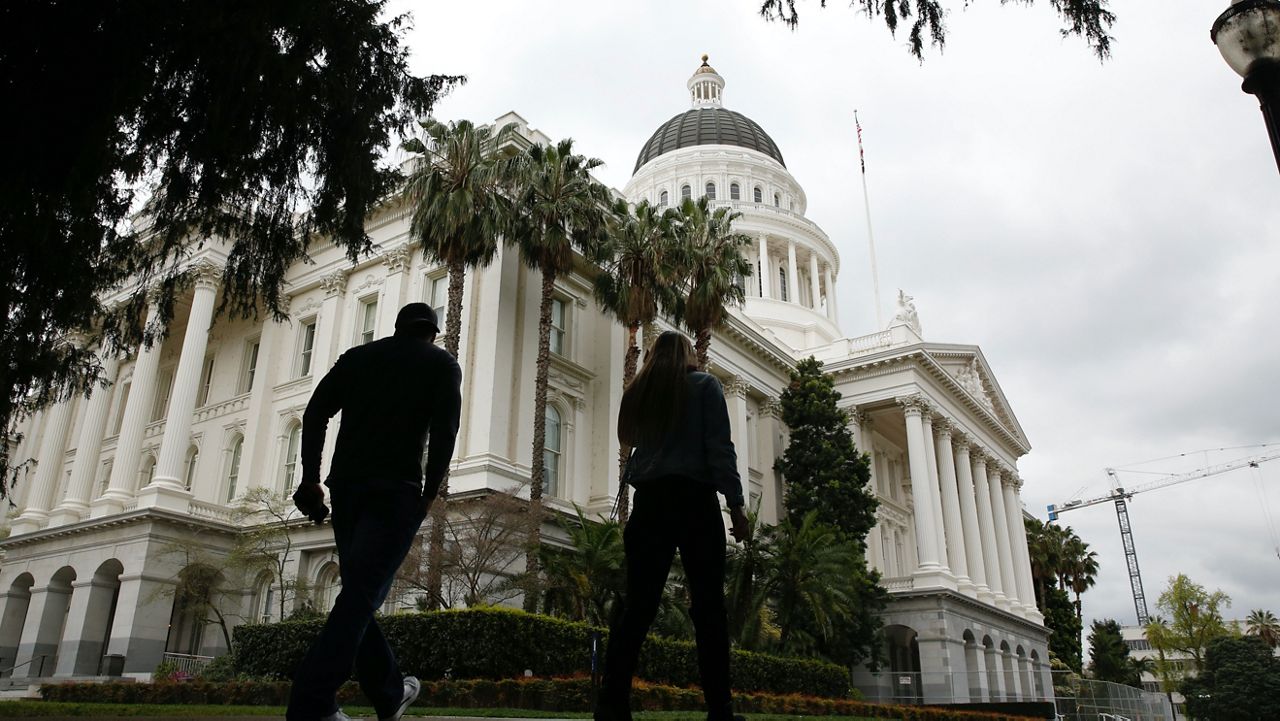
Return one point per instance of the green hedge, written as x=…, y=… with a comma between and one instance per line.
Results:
x=494, y=643
x=562, y=694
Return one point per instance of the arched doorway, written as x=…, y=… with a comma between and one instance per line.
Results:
x=1037, y=676
x=976, y=667
x=17, y=601
x=86, y=645
x=195, y=606
x=53, y=623
x=1008, y=665
x=903, y=653
x=328, y=583
x=995, y=680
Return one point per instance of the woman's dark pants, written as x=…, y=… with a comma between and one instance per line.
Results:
x=373, y=530
x=671, y=514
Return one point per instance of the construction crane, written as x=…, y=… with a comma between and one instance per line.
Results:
x=1119, y=494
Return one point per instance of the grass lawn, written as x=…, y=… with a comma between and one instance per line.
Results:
x=14, y=709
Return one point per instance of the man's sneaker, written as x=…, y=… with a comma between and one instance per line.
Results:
x=336, y=716
x=411, y=690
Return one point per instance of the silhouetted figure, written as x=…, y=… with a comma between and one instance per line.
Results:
x=394, y=393
x=675, y=418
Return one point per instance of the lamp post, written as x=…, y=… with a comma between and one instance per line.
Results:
x=1248, y=36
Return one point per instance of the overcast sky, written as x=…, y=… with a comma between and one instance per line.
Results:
x=1108, y=233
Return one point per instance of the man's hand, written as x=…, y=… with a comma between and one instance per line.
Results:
x=309, y=498
x=741, y=527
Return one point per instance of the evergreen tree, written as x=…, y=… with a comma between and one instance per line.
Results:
x=1060, y=617
x=1109, y=654
x=823, y=470
x=1240, y=681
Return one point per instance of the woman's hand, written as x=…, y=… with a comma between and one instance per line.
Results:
x=741, y=527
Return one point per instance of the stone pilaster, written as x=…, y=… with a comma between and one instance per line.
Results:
x=397, y=262
x=793, y=276
x=766, y=276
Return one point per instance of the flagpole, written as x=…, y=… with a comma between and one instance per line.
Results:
x=871, y=239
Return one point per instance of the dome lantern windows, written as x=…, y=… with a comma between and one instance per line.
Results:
x=758, y=194
x=777, y=200
x=735, y=192
x=663, y=199
x=711, y=190
x=686, y=193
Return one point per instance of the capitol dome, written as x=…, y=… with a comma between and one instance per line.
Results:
x=708, y=126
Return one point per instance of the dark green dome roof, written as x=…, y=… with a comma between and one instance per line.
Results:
x=708, y=126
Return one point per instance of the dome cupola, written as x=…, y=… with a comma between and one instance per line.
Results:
x=706, y=86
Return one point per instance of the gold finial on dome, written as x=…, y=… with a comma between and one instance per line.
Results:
x=705, y=58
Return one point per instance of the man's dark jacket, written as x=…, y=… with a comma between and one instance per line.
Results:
x=393, y=393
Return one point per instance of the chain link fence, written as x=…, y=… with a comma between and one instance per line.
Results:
x=1083, y=699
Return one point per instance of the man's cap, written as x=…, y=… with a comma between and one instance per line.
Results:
x=416, y=315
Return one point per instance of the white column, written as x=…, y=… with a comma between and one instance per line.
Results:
x=1008, y=584
x=88, y=446
x=735, y=392
x=972, y=529
x=327, y=324
x=951, y=507
x=137, y=411
x=926, y=524
x=793, y=277
x=53, y=446
x=1018, y=544
x=986, y=520
x=397, y=262
x=831, y=292
x=931, y=463
x=182, y=402
x=815, y=293
x=254, y=464
x=765, y=276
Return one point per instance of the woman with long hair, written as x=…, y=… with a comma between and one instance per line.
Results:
x=675, y=418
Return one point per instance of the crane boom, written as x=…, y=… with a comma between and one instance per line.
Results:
x=1119, y=494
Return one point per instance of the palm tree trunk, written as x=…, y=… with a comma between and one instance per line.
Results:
x=650, y=335
x=628, y=374
x=702, y=344
x=435, y=543
x=537, y=469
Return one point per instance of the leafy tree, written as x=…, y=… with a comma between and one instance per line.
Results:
x=1195, y=619
x=585, y=581
x=637, y=276
x=1088, y=18
x=1264, y=625
x=745, y=586
x=1060, y=617
x=1109, y=655
x=559, y=210
x=459, y=213
x=200, y=588
x=257, y=124
x=1240, y=681
x=823, y=470
x=711, y=255
x=265, y=544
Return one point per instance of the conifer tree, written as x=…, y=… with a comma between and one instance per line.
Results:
x=823, y=469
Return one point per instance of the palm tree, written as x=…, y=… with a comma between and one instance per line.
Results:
x=560, y=209
x=1082, y=569
x=712, y=257
x=808, y=574
x=1264, y=625
x=459, y=213
x=746, y=585
x=638, y=277
x=585, y=580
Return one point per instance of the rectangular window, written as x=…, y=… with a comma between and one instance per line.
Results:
x=163, y=385
x=368, y=321
x=206, y=379
x=306, y=348
x=557, y=326
x=734, y=192
x=104, y=477
x=438, y=297
x=782, y=284
x=250, y=369
x=124, y=403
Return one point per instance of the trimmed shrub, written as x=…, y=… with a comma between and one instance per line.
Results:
x=541, y=694
x=493, y=643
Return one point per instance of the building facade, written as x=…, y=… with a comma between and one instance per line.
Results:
x=131, y=473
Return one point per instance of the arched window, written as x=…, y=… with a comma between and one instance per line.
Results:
x=685, y=192
x=193, y=458
x=551, y=449
x=777, y=200
x=292, y=448
x=233, y=467
x=757, y=194
x=782, y=284
x=264, y=599
x=711, y=190
x=663, y=199
x=328, y=583
x=735, y=193
x=147, y=471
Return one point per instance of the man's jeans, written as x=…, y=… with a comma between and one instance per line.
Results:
x=374, y=530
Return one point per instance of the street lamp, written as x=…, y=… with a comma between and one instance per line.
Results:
x=1248, y=36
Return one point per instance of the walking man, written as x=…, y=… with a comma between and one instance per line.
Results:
x=394, y=394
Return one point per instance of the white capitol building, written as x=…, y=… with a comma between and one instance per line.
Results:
x=191, y=423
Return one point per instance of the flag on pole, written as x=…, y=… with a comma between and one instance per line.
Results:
x=862, y=158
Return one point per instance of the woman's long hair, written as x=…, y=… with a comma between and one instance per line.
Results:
x=652, y=404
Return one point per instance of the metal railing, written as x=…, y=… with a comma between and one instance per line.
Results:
x=955, y=687
x=187, y=663
x=1085, y=699
x=39, y=667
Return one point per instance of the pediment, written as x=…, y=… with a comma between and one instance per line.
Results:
x=968, y=369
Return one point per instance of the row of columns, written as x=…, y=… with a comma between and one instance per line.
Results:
x=968, y=513
x=793, y=278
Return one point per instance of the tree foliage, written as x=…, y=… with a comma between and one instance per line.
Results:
x=253, y=127
x=1090, y=19
x=585, y=581
x=265, y=544
x=1240, y=681
x=1060, y=617
x=824, y=472
x=1194, y=619
x=1109, y=655
x=713, y=267
x=1264, y=625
